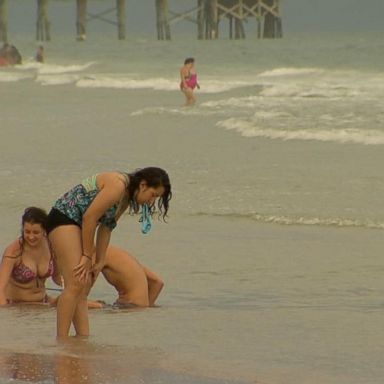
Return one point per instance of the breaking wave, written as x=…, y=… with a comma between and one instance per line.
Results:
x=310, y=221
x=354, y=136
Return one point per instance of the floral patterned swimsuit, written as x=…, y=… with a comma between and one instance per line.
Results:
x=75, y=202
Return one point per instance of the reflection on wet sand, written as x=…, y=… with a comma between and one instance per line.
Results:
x=81, y=362
x=65, y=369
x=61, y=369
x=24, y=366
x=71, y=370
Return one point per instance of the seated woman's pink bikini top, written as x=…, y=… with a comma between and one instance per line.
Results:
x=23, y=274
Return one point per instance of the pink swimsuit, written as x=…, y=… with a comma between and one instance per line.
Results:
x=191, y=81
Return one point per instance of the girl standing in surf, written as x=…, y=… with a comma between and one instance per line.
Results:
x=188, y=82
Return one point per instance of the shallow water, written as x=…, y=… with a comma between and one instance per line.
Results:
x=272, y=256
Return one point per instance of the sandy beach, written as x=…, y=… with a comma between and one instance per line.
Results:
x=272, y=254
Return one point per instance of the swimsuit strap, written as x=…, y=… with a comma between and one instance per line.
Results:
x=89, y=183
x=145, y=219
x=124, y=202
x=126, y=177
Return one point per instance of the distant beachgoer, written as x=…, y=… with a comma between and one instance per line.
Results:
x=188, y=82
x=136, y=285
x=16, y=56
x=93, y=208
x=27, y=262
x=4, y=48
x=3, y=57
x=40, y=54
x=3, y=61
x=9, y=55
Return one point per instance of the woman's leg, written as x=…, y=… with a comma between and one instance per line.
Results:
x=186, y=96
x=127, y=276
x=80, y=317
x=189, y=97
x=72, y=303
x=155, y=285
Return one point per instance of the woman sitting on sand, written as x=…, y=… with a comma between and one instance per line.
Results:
x=188, y=82
x=27, y=262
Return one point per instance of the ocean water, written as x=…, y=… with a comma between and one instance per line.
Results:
x=272, y=255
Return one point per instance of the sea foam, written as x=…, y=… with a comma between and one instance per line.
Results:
x=13, y=76
x=158, y=84
x=291, y=71
x=354, y=136
x=57, y=79
x=299, y=220
x=51, y=69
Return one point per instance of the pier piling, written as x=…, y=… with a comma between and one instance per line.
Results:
x=120, y=7
x=162, y=20
x=272, y=22
x=81, y=20
x=43, y=26
x=200, y=18
x=3, y=21
x=213, y=20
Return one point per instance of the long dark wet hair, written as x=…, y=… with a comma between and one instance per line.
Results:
x=154, y=177
x=189, y=60
x=32, y=215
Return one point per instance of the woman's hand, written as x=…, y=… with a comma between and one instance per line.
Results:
x=83, y=269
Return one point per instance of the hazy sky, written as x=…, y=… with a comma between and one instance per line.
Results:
x=298, y=15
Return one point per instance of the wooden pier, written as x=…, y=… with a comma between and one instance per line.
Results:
x=207, y=15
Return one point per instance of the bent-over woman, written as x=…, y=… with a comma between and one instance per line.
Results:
x=136, y=285
x=80, y=225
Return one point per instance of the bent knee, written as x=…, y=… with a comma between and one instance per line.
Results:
x=160, y=284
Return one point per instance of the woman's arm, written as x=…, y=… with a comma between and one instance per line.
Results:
x=6, y=267
x=183, y=76
x=112, y=189
x=102, y=241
